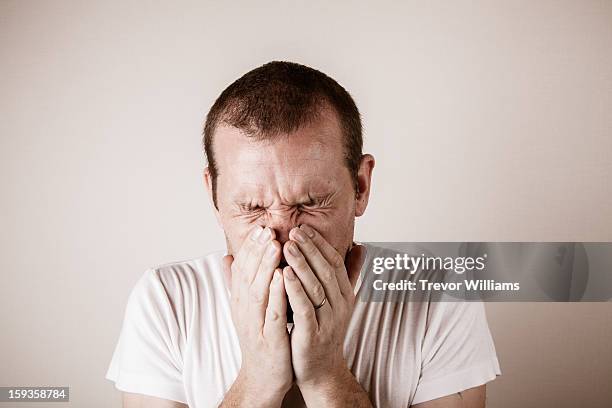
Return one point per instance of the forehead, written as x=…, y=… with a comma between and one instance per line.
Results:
x=312, y=157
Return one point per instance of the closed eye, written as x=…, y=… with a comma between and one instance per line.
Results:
x=315, y=203
x=248, y=208
x=309, y=206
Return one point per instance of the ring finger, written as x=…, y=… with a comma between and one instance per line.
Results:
x=312, y=286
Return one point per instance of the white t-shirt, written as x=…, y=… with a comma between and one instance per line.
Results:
x=178, y=342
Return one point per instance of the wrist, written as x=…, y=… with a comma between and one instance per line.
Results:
x=338, y=389
x=324, y=388
x=252, y=392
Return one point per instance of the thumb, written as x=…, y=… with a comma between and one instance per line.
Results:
x=354, y=261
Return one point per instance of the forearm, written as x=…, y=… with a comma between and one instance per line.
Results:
x=245, y=394
x=340, y=390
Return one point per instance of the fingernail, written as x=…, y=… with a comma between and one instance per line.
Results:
x=277, y=276
x=265, y=235
x=271, y=249
x=289, y=273
x=293, y=249
x=299, y=235
x=256, y=233
x=308, y=230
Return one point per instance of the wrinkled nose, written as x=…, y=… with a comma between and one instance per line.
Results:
x=282, y=224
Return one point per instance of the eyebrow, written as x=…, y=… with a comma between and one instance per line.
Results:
x=312, y=198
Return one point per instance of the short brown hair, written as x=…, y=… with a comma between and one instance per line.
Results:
x=280, y=97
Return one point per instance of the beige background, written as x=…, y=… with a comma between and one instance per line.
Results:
x=489, y=121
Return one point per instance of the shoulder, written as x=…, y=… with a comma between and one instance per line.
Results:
x=188, y=273
x=179, y=284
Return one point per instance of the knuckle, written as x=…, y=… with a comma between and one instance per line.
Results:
x=257, y=249
x=269, y=257
x=306, y=313
x=318, y=292
x=301, y=263
x=273, y=316
x=337, y=261
x=327, y=275
x=309, y=248
x=256, y=296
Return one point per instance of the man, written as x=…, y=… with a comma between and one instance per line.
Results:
x=286, y=177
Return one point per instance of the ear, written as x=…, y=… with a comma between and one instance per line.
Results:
x=364, y=182
x=208, y=183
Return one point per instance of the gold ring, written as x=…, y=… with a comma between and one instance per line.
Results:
x=321, y=304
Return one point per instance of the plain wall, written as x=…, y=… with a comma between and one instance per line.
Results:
x=490, y=121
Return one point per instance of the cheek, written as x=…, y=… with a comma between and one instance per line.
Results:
x=236, y=231
x=336, y=229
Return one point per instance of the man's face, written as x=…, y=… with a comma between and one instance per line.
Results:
x=293, y=179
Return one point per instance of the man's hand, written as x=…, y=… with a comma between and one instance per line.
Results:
x=259, y=312
x=321, y=296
